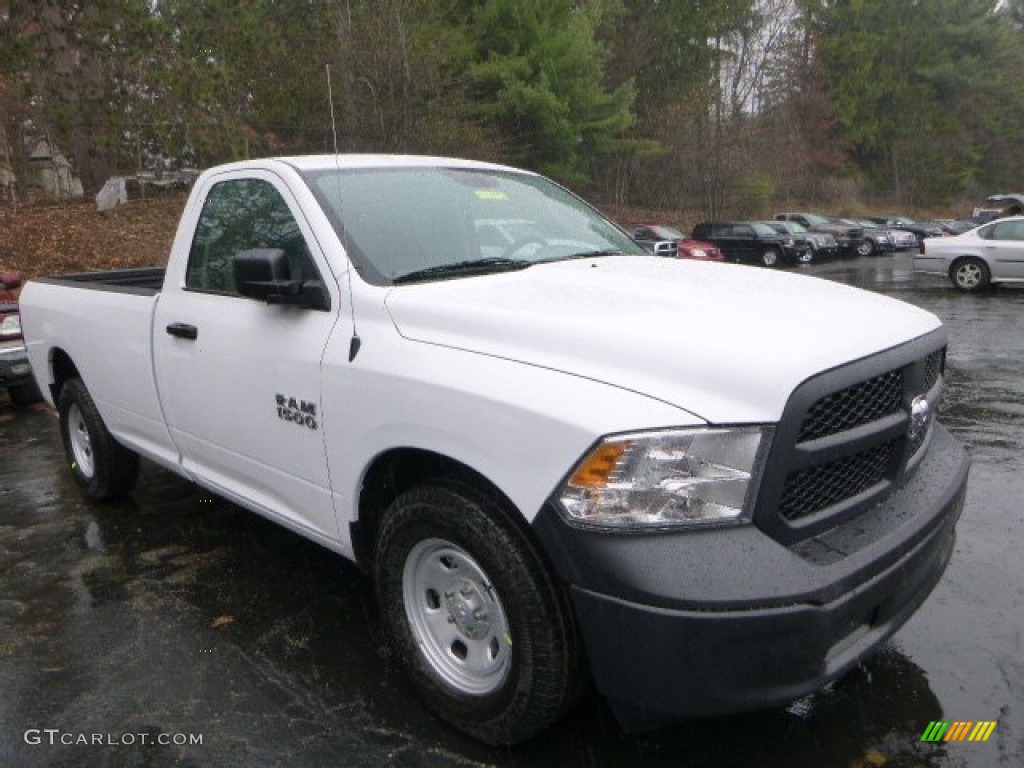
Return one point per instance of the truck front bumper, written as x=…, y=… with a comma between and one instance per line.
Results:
x=714, y=622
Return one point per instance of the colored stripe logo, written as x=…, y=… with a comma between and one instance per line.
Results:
x=959, y=730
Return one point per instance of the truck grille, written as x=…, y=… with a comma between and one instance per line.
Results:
x=844, y=440
x=933, y=365
x=810, y=490
x=853, y=406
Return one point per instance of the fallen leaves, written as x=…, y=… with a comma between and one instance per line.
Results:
x=222, y=621
x=73, y=237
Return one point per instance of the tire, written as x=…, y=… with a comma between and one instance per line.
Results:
x=806, y=256
x=770, y=257
x=473, y=615
x=24, y=394
x=970, y=274
x=866, y=248
x=104, y=468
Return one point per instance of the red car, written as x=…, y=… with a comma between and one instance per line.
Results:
x=648, y=234
x=15, y=373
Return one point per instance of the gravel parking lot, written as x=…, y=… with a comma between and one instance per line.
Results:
x=177, y=615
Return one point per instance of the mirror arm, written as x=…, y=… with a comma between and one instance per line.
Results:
x=310, y=295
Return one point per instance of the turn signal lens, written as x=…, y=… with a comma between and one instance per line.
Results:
x=597, y=468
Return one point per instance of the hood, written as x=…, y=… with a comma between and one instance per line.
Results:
x=727, y=343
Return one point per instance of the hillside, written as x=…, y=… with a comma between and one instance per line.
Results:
x=70, y=237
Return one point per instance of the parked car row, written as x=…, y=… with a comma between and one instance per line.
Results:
x=870, y=236
x=973, y=253
x=789, y=238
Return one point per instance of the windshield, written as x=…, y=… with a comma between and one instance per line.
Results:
x=667, y=233
x=399, y=222
x=763, y=229
x=816, y=221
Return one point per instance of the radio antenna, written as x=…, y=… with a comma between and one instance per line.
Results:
x=330, y=100
x=355, y=342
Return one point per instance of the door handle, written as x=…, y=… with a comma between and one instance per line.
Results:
x=183, y=331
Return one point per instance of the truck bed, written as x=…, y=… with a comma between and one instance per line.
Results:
x=145, y=281
x=103, y=322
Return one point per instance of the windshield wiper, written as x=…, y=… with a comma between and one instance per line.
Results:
x=468, y=267
x=585, y=255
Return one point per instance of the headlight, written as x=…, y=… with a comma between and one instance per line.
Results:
x=662, y=479
x=10, y=326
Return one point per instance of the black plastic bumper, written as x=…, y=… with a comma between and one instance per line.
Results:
x=724, y=621
x=14, y=367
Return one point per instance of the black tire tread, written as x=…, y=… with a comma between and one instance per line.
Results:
x=455, y=509
x=117, y=467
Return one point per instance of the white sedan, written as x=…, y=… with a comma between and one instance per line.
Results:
x=991, y=253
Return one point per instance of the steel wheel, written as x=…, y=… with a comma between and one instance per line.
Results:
x=866, y=248
x=472, y=613
x=770, y=257
x=456, y=616
x=81, y=443
x=104, y=468
x=806, y=256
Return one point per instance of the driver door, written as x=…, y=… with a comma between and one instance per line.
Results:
x=239, y=378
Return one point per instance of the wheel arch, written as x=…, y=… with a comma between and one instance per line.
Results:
x=955, y=260
x=62, y=368
x=395, y=471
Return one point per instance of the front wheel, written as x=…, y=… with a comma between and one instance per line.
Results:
x=104, y=468
x=806, y=256
x=770, y=257
x=866, y=248
x=970, y=274
x=473, y=615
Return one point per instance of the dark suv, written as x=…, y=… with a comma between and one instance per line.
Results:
x=850, y=238
x=749, y=242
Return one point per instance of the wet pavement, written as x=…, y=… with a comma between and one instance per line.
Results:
x=177, y=615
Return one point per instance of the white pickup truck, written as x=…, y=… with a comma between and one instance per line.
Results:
x=706, y=488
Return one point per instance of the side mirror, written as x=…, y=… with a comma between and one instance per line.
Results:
x=264, y=274
x=9, y=281
x=666, y=248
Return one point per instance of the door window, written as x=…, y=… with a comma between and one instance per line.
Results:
x=1005, y=230
x=240, y=215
